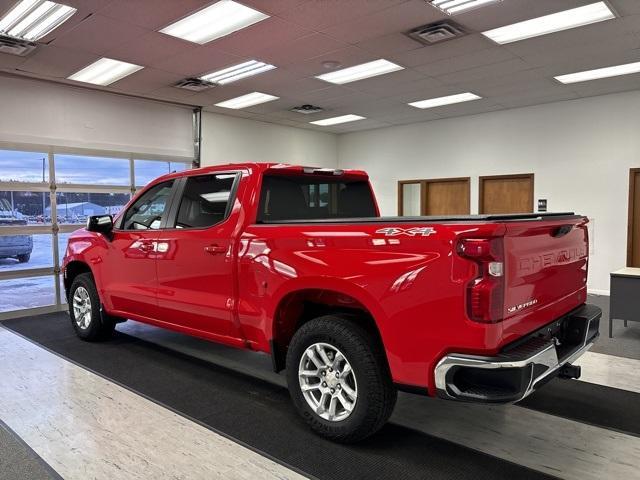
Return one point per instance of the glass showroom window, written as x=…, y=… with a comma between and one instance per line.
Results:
x=147, y=170
x=76, y=207
x=91, y=170
x=16, y=166
x=35, y=222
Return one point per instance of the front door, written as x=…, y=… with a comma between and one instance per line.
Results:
x=195, y=258
x=129, y=279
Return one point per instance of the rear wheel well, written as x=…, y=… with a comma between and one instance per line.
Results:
x=72, y=270
x=297, y=308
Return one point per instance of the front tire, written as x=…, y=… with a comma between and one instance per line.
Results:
x=84, y=310
x=338, y=379
x=24, y=258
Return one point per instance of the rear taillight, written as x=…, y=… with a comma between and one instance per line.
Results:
x=485, y=293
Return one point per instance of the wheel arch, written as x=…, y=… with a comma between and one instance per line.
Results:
x=299, y=305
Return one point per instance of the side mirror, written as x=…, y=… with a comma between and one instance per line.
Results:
x=100, y=224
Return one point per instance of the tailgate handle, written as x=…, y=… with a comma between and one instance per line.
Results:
x=562, y=231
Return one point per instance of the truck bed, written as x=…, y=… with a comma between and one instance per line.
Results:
x=435, y=218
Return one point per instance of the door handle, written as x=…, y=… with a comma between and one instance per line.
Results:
x=214, y=249
x=146, y=246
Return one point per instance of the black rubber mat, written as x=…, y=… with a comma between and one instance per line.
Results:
x=259, y=413
x=611, y=408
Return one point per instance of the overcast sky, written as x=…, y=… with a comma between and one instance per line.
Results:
x=27, y=167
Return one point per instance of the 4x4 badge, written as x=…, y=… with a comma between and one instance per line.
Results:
x=411, y=232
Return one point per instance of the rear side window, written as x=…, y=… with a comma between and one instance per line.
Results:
x=309, y=198
x=147, y=211
x=205, y=200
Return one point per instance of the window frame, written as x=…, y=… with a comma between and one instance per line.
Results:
x=180, y=188
x=165, y=214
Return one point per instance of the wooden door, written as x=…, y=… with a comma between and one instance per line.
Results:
x=633, y=243
x=448, y=196
x=506, y=194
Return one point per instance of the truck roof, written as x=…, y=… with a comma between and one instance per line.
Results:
x=283, y=168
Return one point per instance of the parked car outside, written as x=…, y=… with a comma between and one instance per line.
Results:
x=13, y=246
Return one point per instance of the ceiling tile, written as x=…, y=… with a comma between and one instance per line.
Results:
x=267, y=33
x=196, y=61
x=149, y=48
x=318, y=14
x=151, y=14
x=146, y=81
x=515, y=101
x=391, y=83
x=466, y=62
x=400, y=18
x=303, y=48
x=9, y=62
x=441, y=51
x=500, y=69
x=272, y=7
x=389, y=44
x=98, y=34
x=346, y=57
x=173, y=94
x=54, y=61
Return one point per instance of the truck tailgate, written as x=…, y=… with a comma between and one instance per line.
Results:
x=545, y=271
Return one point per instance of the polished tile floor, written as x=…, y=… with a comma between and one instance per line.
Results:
x=85, y=426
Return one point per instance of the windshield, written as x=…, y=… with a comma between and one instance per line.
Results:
x=307, y=197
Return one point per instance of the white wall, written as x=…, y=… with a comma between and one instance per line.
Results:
x=46, y=114
x=228, y=139
x=580, y=152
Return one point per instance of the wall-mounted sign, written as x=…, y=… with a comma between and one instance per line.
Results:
x=542, y=204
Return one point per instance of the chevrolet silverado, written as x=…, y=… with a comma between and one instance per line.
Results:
x=297, y=262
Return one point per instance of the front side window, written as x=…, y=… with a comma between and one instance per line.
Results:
x=205, y=200
x=308, y=198
x=146, y=213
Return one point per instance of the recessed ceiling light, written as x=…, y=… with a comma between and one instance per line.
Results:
x=440, y=101
x=247, y=100
x=215, y=21
x=606, y=72
x=358, y=72
x=556, y=22
x=232, y=74
x=457, y=6
x=336, y=120
x=33, y=19
x=105, y=71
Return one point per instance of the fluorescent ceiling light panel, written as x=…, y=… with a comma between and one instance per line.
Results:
x=458, y=6
x=237, y=72
x=336, y=120
x=358, y=72
x=606, y=72
x=105, y=71
x=215, y=21
x=556, y=22
x=33, y=19
x=440, y=101
x=247, y=100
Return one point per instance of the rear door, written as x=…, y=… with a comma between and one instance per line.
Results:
x=196, y=258
x=546, y=268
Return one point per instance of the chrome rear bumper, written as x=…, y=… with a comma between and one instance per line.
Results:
x=521, y=367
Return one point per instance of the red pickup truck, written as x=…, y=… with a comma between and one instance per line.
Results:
x=298, y=263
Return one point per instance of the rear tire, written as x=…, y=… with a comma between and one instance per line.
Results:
x=84, y=310
x=24, y=258
x=363, y=389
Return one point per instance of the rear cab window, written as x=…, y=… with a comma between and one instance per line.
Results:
x=300, y=197
x=205, y=201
